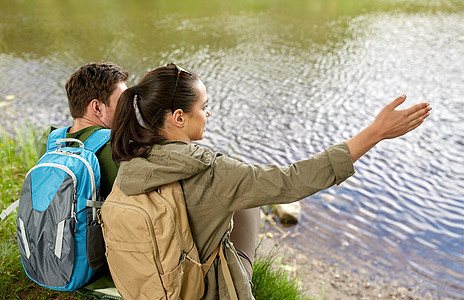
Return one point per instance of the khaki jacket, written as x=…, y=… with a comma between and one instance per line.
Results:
x=216, y=185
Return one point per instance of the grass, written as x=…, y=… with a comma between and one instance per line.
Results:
x=17, y=156
x=271, y=282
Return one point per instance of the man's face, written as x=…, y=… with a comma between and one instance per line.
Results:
x=108, y=111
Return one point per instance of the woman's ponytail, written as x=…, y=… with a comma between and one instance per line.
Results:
x=130, y=137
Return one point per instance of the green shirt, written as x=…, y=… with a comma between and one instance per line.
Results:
x=108, y=168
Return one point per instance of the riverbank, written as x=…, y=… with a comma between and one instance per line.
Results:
x=322, y=279
x=319, y=278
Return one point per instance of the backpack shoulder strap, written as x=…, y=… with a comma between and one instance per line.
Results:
x=226, y=272
x=59, y=133
x=97, y=140
x=9, y=210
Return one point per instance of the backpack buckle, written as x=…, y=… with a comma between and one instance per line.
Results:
x=99, y=218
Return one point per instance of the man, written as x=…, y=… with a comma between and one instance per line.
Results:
x=93, y=91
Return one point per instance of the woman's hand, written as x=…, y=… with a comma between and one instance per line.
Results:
x=391, y=123
x=388, y=124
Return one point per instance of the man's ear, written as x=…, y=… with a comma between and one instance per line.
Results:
x=95, y=107
x=178, y=118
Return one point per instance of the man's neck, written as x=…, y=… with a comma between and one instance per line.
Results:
x=81, y=123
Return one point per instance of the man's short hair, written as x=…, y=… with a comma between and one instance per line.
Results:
x=92, y=81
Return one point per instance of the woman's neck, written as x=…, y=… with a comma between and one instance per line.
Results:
x=176, y=136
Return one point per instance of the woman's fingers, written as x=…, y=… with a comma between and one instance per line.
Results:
x=415, y=124
x=417, y=107
x=420, y=114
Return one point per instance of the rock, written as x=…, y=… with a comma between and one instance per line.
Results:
x=289, y=213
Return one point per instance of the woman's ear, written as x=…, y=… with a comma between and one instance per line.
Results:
x=178, y=118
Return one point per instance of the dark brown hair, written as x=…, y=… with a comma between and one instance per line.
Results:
x=92, y=81
x=133, y=138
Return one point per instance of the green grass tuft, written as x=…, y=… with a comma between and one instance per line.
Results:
x=272, y=282
x=13, y=280
x=16, y=158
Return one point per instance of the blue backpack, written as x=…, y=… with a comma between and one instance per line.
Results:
x=59, y=236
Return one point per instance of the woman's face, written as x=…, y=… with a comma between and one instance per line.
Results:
x=195, y=122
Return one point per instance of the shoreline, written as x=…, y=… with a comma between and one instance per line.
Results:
x=322, y=279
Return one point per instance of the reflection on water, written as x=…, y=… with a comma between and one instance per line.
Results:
x=285, y=81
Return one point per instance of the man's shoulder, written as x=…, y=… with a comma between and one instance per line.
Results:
x=84, y=133
x=81, y=135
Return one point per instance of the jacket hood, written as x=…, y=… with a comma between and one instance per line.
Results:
x=167, y=162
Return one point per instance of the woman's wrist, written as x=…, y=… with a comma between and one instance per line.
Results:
x=373, y=133
x=363, y=141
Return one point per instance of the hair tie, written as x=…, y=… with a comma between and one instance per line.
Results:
x=136, y=107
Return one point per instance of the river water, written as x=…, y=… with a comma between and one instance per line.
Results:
x=286, y=79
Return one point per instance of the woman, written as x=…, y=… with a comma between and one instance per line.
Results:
x=154, y=125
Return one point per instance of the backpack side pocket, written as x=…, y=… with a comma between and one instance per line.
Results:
x=95, y=244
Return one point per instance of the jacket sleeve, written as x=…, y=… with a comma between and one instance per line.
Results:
x=239, y=186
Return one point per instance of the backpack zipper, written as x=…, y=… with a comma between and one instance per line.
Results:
x=147, y=218
x=181, y=241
